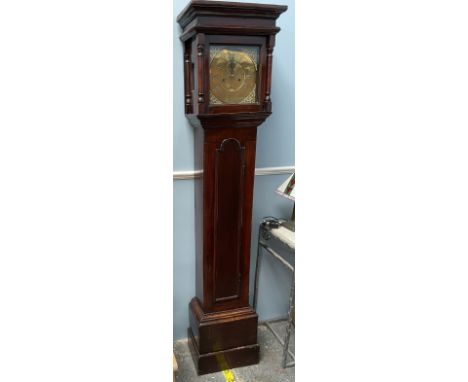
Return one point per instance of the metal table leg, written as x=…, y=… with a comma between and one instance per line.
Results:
x=290, y=320
x=263, y=233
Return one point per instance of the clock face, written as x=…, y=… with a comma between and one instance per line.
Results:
x=233, y=74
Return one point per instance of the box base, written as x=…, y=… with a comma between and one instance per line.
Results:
x=222, y=360
x=222, y=340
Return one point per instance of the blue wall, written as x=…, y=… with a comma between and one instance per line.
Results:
x=275, y=147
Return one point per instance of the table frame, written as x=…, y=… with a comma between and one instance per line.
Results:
x=264, y=235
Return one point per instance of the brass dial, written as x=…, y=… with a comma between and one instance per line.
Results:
x=233, y=76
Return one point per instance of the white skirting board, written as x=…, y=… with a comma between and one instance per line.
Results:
x=184, y=175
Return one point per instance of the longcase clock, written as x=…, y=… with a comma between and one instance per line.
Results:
x=228, y=52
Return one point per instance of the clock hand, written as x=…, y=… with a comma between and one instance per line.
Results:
x=232, y=64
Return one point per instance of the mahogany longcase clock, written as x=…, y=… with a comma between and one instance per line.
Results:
x=228, y=51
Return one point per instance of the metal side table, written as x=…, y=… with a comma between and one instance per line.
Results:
x=272, y=228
